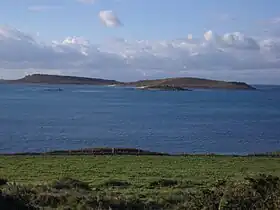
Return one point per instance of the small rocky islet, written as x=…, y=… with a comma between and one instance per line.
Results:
x=163, y=88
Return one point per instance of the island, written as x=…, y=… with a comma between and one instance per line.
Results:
x=191, y=83
x=177, y=84
x=61, y=79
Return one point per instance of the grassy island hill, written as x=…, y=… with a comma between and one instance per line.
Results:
x=59, y=79
x=166, y=84
x=193, y=83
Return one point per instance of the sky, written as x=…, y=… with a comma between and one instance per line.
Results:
x=141, y=39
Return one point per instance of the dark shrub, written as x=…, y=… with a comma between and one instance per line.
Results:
x=262, y=192
x=120, y=203
x=20, y=192
x=16, y=197
x=8, y=202
x=115, y=183
x=164, y=183
x=51, y=199
x=264, y=184
x=220, y=183
x=69, y=183
x=3, y=181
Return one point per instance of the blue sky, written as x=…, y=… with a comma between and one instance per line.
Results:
x=231, y=40
x=145, y=19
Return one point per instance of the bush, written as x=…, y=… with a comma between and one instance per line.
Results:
x=115, y=183
x=10, y=202
x=51, y=199
x=261, y=192
x=69, y=183
x=16, y=197
x=3, y=181
x=164, y=183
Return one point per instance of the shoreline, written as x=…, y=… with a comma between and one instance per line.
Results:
x=131, y=152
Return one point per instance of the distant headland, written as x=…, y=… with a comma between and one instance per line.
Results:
x=59, y=79
x=182, y=83
x=132, y=151
x=191, y=83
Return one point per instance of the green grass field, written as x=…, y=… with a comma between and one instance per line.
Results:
x=143, y=177
x=135, y=169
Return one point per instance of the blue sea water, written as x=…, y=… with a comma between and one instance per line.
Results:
x=217, y=121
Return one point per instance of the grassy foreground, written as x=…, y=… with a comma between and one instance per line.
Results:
x=140, y=182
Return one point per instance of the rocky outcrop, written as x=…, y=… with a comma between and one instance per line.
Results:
x=163, y=88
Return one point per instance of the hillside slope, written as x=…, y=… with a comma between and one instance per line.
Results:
x=58, y=79
x=188, y=82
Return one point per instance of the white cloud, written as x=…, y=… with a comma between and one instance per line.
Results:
x=228, y=56
x=234, y=40
x=109, y=19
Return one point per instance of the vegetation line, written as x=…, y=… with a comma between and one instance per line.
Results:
x=133, y=182
x=130, y=151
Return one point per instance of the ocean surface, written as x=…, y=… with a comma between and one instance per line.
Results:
x=36, y=118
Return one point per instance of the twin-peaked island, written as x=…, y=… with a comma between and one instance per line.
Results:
x=183, y=83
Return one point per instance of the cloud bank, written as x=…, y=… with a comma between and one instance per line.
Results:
x=229, y=56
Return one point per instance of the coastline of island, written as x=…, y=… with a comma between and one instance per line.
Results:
x=173, y=84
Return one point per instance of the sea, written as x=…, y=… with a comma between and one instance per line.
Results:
x=41, y=118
